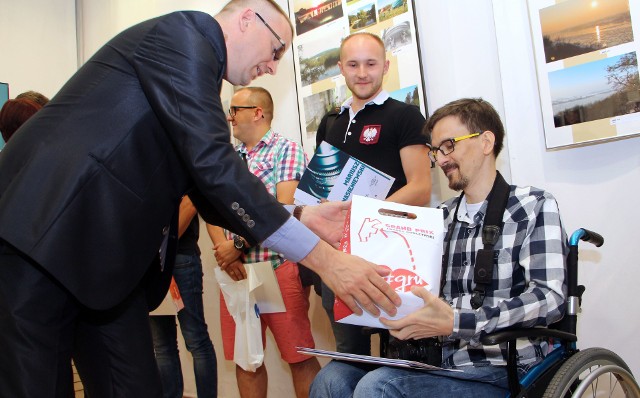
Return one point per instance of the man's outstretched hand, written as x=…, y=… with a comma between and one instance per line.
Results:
x=326, y=220
x=353, y=279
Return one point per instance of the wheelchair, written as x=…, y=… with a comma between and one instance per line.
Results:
x=567, y=371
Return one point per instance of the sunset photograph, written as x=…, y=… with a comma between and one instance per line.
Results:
x=310, y=14
x=577, y=27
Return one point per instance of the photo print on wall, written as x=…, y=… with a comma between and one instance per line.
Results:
x=587, y=67
x=320, y=28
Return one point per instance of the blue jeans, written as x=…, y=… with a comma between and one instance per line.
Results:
x=188, y=276
x=343, y=380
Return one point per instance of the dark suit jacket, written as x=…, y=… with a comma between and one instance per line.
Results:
x=89, y=185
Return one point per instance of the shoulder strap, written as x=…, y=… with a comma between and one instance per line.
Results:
x=491, y=230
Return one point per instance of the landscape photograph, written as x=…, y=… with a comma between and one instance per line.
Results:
x=310, y=14
x=408, y=95
x=595, y=90
x=391, y=8
x=361, y=16
x=577, y=27
x=319, y=59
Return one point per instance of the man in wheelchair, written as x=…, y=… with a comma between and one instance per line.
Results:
x=503, y=267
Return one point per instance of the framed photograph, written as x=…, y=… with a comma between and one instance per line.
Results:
x=320, y=27
x=587, y=67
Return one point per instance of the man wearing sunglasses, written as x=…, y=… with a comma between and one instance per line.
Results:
x=90, y=190
x=526, y=287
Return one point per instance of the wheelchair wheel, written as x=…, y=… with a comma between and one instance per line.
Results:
x=594, y=372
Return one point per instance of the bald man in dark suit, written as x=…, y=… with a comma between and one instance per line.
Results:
x=89, y=192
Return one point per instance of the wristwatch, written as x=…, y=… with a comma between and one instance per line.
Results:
x=238, y=243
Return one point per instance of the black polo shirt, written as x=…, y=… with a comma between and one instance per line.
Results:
x=376, y=134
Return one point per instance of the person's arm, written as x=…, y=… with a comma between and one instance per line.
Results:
x=290, y=165
x=186, y=213
x=285, y=191
x=180, y=66
x=351, y=278
x=543, y=300
x=417, y=170
x=226, y=254
x=540, y=304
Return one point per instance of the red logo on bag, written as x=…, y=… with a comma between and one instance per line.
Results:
x=370, y=134
x=369, y=228
x=401, y=279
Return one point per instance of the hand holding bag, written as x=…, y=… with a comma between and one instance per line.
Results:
x=406, y=239
x=241, y=303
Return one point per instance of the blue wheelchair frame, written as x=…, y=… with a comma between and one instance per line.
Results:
x=563, y=333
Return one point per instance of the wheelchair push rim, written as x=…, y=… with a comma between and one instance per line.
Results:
x=594, y=372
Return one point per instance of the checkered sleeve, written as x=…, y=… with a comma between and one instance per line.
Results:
x=531, y=275
x=291, y=162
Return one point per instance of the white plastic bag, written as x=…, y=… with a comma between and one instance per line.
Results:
x=241, y=303
x=406, y=239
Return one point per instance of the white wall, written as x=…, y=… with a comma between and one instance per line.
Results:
x=596, y=187
x=38, y=46
x=469, y=48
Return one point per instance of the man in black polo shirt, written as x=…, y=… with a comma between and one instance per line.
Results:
x=381, y=132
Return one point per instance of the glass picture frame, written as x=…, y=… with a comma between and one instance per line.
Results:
x=320, y=27
x=587, y=69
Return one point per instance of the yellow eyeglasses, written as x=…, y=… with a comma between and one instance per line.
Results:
x=447, y=146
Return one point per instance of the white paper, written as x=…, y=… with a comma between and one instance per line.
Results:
x=358, y=178
x=334, y=175
x=401, y=363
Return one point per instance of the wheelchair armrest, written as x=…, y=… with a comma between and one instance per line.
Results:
x=513, y=334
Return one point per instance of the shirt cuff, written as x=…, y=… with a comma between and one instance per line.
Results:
x=464, y=324
x=293, y=240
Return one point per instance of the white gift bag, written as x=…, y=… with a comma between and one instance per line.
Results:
x=406, y=239
x=241, y=303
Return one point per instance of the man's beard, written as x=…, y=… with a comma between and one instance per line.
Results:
x=459, y=184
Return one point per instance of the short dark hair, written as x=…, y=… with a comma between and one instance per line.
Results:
x=259, y=96
x=14, y=113
x=477, y=114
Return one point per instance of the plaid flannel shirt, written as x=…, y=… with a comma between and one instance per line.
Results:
x=528, y=286
x=274, y=159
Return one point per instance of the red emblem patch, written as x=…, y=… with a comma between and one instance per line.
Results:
x=370, y=134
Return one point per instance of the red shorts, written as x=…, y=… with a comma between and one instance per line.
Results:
x=290, y=329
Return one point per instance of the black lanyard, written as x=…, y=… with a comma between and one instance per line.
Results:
x=492, y=227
